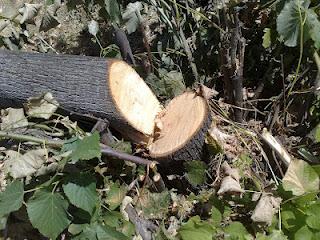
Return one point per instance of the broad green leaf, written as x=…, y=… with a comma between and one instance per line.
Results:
x=75, y=229
x=113, y=218
x=115, y=195
x=84, y=149
x=106, y=232
x=266, y=38
x=130, y=15
x=196, y=172
x=113, y=9
x=11, y=199
x=313, y=26
x=300, y=178
x=303, y=233
x=313, y=222
x=97, y=231
x=292, y=218
x=216, y=216
x=196, y=229
x=88, y=233
x=313, y=213
x=236, y=231
x=81, y=191
x=47, y=212
x=289, y=21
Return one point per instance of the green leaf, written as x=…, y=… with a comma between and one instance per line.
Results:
x=85, y=149
x=288, y=23
x=292, y=218
x=266, y=38
x=236, y=231
x=196, y=229
x=313, y=213
x=196, y=172
x=81, y=191
x=115, y=195
x=303, y=233
x=100, y=232
x=113, y=9
x=108, y=233
x=113, y=219
x=313, y=26
x=300, y=178
x=48, y=213
x=75, y=229
x=216, y=216
x=11, y=199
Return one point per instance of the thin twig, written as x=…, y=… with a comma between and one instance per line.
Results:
x=27, y=138
x=105, y=150
x=108, y=151
x=144, y=227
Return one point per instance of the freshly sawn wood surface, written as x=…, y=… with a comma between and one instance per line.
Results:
x=111, y=89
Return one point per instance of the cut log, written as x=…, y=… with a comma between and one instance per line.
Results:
x=105, y=88
x=111, y=89
x=184, y=124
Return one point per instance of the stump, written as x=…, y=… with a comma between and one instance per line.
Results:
x=111, y=89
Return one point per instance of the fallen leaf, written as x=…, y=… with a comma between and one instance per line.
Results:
x=130, y=15
x=29, y=11
x=23, y=165
x=300, y=178
x=12, y=118
x=232, y=172
x=265, y=209
x=41, y=107
x=230, y=185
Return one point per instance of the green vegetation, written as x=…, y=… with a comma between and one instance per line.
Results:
x=56, y=181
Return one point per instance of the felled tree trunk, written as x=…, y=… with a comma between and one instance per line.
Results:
x=111, y=89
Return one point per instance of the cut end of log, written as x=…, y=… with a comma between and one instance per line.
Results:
x=133, y=98
x=181, y=121
x=111, y=89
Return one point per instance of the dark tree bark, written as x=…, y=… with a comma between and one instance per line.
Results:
x=79, y=83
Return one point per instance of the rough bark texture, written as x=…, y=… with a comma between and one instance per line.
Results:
x=79, y=83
